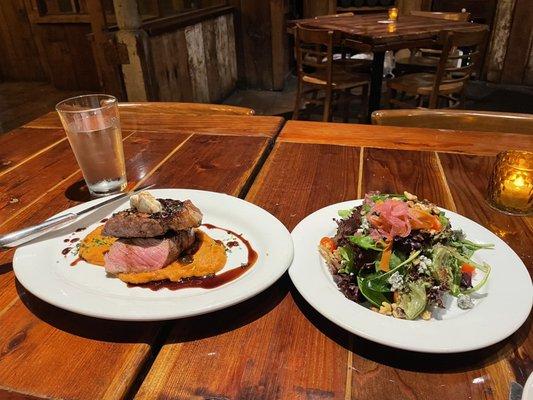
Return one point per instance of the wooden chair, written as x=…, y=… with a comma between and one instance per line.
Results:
x=413, y=60
x=451, y=76
x=342, y=53
x=481, y=121
x=318, y=73
x=176, y=108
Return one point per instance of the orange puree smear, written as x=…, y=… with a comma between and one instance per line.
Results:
x=208, y=259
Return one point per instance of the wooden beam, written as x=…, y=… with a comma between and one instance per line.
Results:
x=136, y=70
x=108, y=73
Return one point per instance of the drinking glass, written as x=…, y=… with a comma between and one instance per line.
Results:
x=92, y=125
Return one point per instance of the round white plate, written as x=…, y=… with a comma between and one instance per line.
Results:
x=527, y=394
x=86, y=289
x=502, y=306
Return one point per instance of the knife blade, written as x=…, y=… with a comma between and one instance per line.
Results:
x=16, y=238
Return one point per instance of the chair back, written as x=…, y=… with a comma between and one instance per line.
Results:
x=450, y=16
x=480, y=121
x=455, y=68
x=314, y=50
x=176, y=108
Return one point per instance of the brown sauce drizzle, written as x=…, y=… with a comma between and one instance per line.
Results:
x=104, y=220
x=211, y=281
x=76, y=261
x=66, y=250
x=74, y=240
x=80, y=229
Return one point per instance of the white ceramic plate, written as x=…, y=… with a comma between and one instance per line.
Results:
x=501, y=307
x=85, y=289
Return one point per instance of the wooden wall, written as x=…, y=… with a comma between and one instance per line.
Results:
x=68, y=55
x=510, y=55
x=262, y=43
x=19, y=59
x=197, y=63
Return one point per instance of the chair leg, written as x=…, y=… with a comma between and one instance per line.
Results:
x=346, y=112
x=297, y=101
x=364, y=102
x=326, y=117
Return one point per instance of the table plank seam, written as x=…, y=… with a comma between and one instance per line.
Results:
x=147, y=364
x=445, y=183
x=256, y=169
x=28, y=158
x=164, y=160
x=349, y=369
x=360, y=173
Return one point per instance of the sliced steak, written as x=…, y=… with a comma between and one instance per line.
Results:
x=141, y=255
x=176, y=215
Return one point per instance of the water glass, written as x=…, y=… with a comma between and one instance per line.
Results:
x=92, y=125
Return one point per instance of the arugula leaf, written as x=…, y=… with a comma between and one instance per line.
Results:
x=444, y=221
x=365, y=242
x=345, y=213
x=384, y=196
x=347, y=257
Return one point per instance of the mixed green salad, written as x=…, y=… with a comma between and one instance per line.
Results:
x=400, y=255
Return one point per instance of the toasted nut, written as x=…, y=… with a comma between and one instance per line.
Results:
x=396, y=296
x=385, y=308
x=375, y=309
x=426, y=315
x=410, y=196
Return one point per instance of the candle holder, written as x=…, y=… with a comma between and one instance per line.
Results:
x=393, y=14
x=511, y=184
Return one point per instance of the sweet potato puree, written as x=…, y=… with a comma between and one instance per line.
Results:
x=208, y=259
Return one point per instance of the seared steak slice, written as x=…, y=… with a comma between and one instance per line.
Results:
x=141, y=255
x=176, y=215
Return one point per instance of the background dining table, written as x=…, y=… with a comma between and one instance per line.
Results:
x=274, y=345
x=373, y=33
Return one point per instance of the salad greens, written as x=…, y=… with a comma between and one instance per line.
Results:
x=401, y=256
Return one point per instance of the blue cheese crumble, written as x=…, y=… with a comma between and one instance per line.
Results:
x=465, y=302
x=396, y=281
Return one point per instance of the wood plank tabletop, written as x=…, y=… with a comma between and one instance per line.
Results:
x=275, y=346
x=164, y=120
x=46, y=352
x=370, y=28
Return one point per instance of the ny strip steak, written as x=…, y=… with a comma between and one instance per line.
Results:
x=147, y=254
x=175, y=216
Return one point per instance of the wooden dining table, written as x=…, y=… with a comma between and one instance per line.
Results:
x=274, y=345
x=373, y=33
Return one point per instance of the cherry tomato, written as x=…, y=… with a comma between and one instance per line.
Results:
x=328, y=243
x=467, y=268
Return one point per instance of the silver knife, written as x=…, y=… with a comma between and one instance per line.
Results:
x=14, y=239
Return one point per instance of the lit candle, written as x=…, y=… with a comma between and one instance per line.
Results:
x=393, y=14
x=511, y=184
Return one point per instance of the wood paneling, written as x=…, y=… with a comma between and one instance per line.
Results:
x=196, y=63
x=69, y=56
x=510, y=54
x=19, y=59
